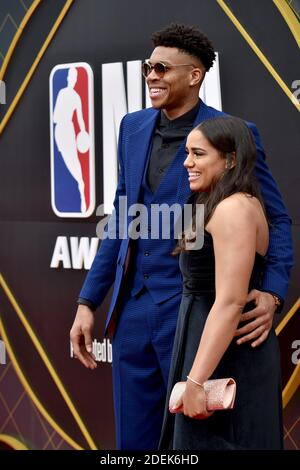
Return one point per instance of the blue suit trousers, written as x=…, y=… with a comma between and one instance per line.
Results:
x=142, y=349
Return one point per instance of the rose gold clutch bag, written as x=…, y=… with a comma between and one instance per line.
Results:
x=220, y=394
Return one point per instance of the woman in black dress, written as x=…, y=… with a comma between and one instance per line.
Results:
x=216, y=281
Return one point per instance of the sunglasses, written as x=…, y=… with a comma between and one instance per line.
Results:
x=159, y=68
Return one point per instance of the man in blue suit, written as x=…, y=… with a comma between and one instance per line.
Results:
x=147, y=285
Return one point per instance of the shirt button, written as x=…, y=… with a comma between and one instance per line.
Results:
x=146, y=253
x=146, y=276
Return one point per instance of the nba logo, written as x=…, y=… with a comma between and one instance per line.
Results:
x=72, y=140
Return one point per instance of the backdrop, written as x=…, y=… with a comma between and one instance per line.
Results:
x=47, y=400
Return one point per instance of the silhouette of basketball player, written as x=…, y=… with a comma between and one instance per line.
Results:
x=68, y=101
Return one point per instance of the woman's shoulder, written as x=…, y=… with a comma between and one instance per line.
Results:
x=235, y=211
x=239, y=202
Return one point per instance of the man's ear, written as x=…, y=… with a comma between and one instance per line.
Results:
x=197, y=76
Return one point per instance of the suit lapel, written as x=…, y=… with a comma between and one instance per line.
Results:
x=138, y=149
x=183, y=188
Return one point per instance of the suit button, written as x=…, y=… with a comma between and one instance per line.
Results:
x=146, y=276
x=160, y=170
x=146, y=253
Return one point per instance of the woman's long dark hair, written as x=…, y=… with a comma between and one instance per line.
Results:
x=227, y=134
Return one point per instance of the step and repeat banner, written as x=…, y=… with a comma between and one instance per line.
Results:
x=70, y=70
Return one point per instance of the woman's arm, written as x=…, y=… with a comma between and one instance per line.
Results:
x=233, y=228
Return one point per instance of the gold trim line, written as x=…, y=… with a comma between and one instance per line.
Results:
x=17, y=36
x=32, y=69
x=291, y=386
x=288, y=316
x=47, y=363
x=294, y=380
x=259, y=53
x=31, y=393
x=12, y=442
x=290, y=18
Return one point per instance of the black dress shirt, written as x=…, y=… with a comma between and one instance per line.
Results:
x=167, y=138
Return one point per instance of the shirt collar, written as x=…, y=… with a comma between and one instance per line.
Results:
x=186, y=119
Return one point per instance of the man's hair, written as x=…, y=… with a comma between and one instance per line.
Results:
x=187, y=39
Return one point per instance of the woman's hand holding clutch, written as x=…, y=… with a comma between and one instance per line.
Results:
x=198, y=401
x=194, y=402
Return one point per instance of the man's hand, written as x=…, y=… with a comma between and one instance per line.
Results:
x=81, y=336
x=261, y=316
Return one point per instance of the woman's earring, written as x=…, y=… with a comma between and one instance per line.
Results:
x=229, y=162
